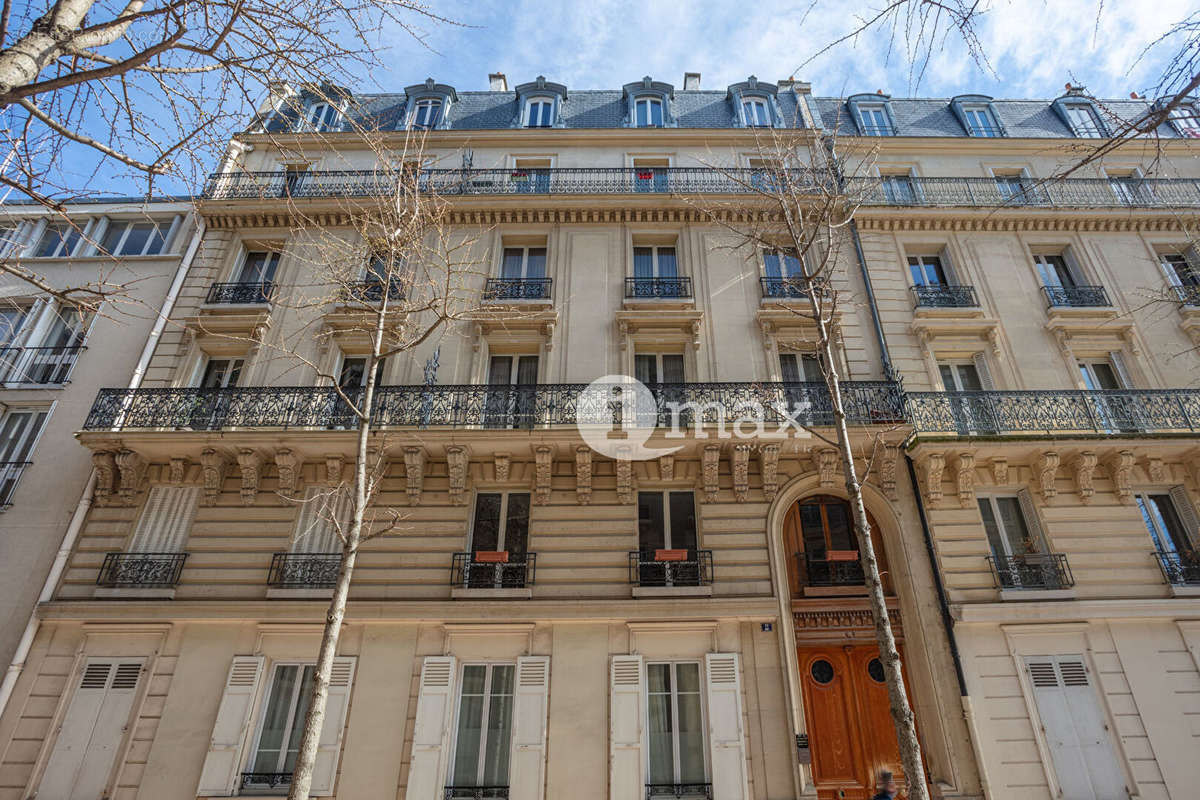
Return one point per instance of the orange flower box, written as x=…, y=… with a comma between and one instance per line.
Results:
x=491, y=556
x=670, y=555
x=841, y=555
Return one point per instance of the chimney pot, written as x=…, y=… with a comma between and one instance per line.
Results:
x=691, y=81
x=497, y=82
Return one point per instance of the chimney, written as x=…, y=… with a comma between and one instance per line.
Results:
x=786, y=84
x=497, y=82
x=691, y=81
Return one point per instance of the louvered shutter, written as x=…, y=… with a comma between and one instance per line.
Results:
x=91, y=732
x=985, y=374
x=166, y=520
x=627, y=715
x=1032, y=522
x=221, y=765
x=341, y=679
x=726, y=737
x=431, y=730
x=315, y=531
x=527, y=773
x=1187, y=512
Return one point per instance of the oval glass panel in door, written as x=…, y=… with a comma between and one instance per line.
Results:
x=822, y=671
x=875, y=670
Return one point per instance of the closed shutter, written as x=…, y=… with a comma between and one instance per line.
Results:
x=91, y=731
x=341, y=679
x=527, y=773
x=221, y=765
x=1187, y=512
x=726, y=738
x=1077, y=737
x=1032, y=522
x=626, y=762
x=431, y=730
x=315, y=531
x=985, y=374
x=166, y=519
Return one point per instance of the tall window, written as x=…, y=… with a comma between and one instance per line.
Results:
x=1054, y=271
x=781, y=264
x=353, y=374
x=426, y=113
x=980, y=121
x=1006, y=528
x=258, y=267
x=756, y=113
x=1100, y=375
x=12, y=318
x=675, y=729
x=1084, y=122
x=1179, y=270
x=900, y=188
x=960, y=377
x=134, y=238
x=655, y=261
x=484, y=731
x=1013, y=186
x=278, y=742
x=927, y=271
x=220, y=373
x=651, y=368
x=648, y=112
x=874, y=120
x=19, y=431
x=501, y=525
x=322, y=117
x=512, y=391
x=800, y=368
x=667, y=522
x=59, y=240
x=1164, y=524
x=539, y=113
x=523, y=263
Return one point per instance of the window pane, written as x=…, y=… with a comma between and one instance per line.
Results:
x=995, y=539
x=788, y=368
x=645, y=368
x=691, y=724
x=485, y=535
x=1013, y=522
x=812, y=529
x=667, y=267
x=683, y=520
x=470, y=726
x=279, y=706
x=536, y=265
x=656, y=114
x=516, y=526
x=841, y=532
x=643, y=262
x=1165, y=510
x=660, y=730
x=303, y=700
x=771, y=265
x=672, y=370
x=651, y=535
x=510, y=266
x=499, y=732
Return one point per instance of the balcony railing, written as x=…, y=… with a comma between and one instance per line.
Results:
x=656, y=791
x=658, y=288
x=482, y=406
x=240, y=293
x=1075, y=296
x=493, y=570
x=38, y=365
x=268, y=781
x=1032, y=571
x=475, y=793
x=792, y=287
x=1188, y=295
x=372, y=291
x=10, y=474
x=685, y=567
x=1180, y=568
x=1064, y=193
x=517, y=289
x=945, y=296
x=304, y=570
x=837, y=568
x=141, y=570
x=1112, y=411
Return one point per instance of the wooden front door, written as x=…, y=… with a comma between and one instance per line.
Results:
x=850, y=730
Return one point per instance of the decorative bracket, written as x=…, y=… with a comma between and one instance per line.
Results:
x=1047, y=469
x=1120, y=466
x=741, y=471
x=710, y=472
x=624, y=476
x=106, y=473
x=289, y=466
x=334, y=467
x=827, y=459
x=250, y=463
x=1085, y=469
x=213, y=464
x=964, y=479
x=457, y=458
x=768, y=465
x=887, y=471
x=1156, y=470
x=414, y=472
x=583, y=474
x=503, y=464
x=543, y=471
x=999, y=471
x=935, y=464
x=133, y=469
x=177, y=470
x=666, y=467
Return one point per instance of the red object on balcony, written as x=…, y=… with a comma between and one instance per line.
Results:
x=670, y=555
x=645, y=175
x=841, y=555
x=491, y=556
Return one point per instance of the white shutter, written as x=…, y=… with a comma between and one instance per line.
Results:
x=1186, y=511
x=166, y=519
x=1168, y=270
x=1081, y=751
x=726, y=738
x=221, y=765
x=1118, y=363
x=315, y=531
x=91, y=732
x=431, y=730
x=341, y=679
x=985, y=374
x=627, y=715
x=527, y=770
x=1032, y=522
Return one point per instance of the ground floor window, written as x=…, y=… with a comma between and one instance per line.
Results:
x=675, y=725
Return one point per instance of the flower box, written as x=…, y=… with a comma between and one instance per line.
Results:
x=491, y=556
x=841, y=555
x=670, y=555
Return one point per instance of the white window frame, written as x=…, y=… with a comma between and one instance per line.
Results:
x=487, y=695
x=702, y=684
x=900, y=178
x=756, y=113
x=1005, y=539
x=261, y=712
x=650, y=101
x=954, y=364
x=119, y=249
x=81, y=231
x=870, y=126
x=244, y=256
x=655, y=269
x=236, y=363
x=980, y=120
x=26, y=445
x=421, y=104
x=923, y=259
x=1084, y=122
x=1091, y=381
x=537, y=101
x=524, y=248
x=1186, y=119
x=1156, y=526
x=317, y=120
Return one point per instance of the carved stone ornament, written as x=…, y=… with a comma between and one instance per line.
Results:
x=503, y=463
x=935, y=464
x=543, y=471
x=250, y=463
x=768, y=465
x=213, y=464
x=133, y=468
x=177, y=470
x=887, y=469
x=334, y=466
x=741, y=471
x=964, y=479
x=1047, y=471
x=1085, y=470
x=666, y=467
x=624, y=477
x=583, y=474
x=827, y=459
x=999, y=471
x=288, y=464
x=106, y=474
x=1120, y=467
x=710, y=472
x=457, y=458
x=1156, y=470
x=414, y=472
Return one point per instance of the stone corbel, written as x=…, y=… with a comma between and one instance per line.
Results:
x=741, y=471
x=106, y=474
x=666, y=467
x=624, y=476
x=999, y=471
x=548, y=332
x=288, y=464
x=477, y=337
x=1063, y=340
x=964, y=479
x=935, y=464
x=993, y=336
x=827, y=459
x=887, y=469
x=1156, y=470
x=696, y=334
x=213, y=464
x=768, y=465
x=177, y=470
x=1120, y=467
x=335, y=465
x=1085, y=470
x=1131, y=339
x=583, y=474
x=622, y=335
x=503, y=465
x=250, y=464
x=710, y=472
x=1047, y=472
x=457, y=459
x=543, y=473
x=414, y=473
x=133, y=469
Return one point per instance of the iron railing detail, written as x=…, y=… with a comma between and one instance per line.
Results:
x=475, y=793
x=304, y=570
x=477, y=405
x=990, y=192
x=471, y=571
x=945, y=296
x=830, y=572
x=658, y=568
x=517, y=289
x=141, y=570
x=1032, y=571
x=240, y=293
x=266, y=780
x=372, y=291
x=658, y=288
x=10, y=475
x=1112, y=411
x=791, y=287
x=1188, y=295
x=1075, y=296
x=38, y=365
x=1180, y=568
x=654, y=791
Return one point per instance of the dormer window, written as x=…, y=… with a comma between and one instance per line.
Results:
x=539, y=112
x=649, y=112
x=426, y=114
x=756, y=113
x=1185, y=118
x=873, y=120
x=980, y=121
x=1084, y=122
x=321, y=117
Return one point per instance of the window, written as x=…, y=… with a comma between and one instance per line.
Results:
x=1165, y=524
x=539, y=112
x=1055, y=271
x=322, y=117
x=278, y=743
x=900, y=188
x=655, y=261
x=512, y=391
x=1179, y=270
x=523, y=263
x=531, y=175
x=973, y=414
x=980, y=121
x=19, y=431
x=426, y=113
x=927, y=271
x=258, y=267
x=1084, y=122
x=220, y=373
x=667, y=540
x=800, y=368
x=649, y=112
x=826, y=545
x=12, y=318
x=482, y=742
x=10, y=237
x=675, y=727
x=653, y=368
x=1006, y=527
x=756, y=113
x=1101, y=375
x=782, y=264
x=960, y=377
x=501, y=525
x=1186, y=120
x=51, y=361
x=322, y=513
x=651, y=174
x=59, y=240
x=134, y=238
x=1013, y=186
x=874, y=120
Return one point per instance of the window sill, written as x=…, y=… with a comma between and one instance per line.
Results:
x=131, y=593
x=659, y=302
x=1033, y=595
x=835, y=591
x=672, y=591
x=463, y=593
x=316, y=593
x=1190, y=590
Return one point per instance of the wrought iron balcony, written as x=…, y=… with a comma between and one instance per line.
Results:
x=266, y=781
x=1180, y=568
x=476, y=793
x=493, y=570
x=38, y=365
x=1076, y=411
x=1032, y=571
x=836, y=568
x=1064, y=193
x=1188, y=295
x=240, y=293
x=684, y=567
x=482, y=406
x=658, y=288
x=10, y=474
x=791, y=287
x=372, y=291
x=945, y=296
x=304, y=570
x=1075, y=296
x=517, y=289
x=141, y=570
x=654, y=791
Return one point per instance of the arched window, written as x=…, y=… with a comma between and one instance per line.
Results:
x=426, y=113
x=822, y=547
x=649, y=112
x=539, y=112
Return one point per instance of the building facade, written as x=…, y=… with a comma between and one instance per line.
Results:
x=549, y=619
